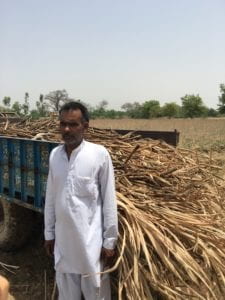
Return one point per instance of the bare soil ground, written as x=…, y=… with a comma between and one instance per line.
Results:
x=34, y=279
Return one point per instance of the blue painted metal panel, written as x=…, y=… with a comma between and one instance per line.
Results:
x=1, y=166
x=11, y=168
x=37, y=175
x=24, y=170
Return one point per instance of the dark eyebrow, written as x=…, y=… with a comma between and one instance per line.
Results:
x=69, y=122
x=72, y=123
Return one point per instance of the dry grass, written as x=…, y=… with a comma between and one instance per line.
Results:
x=171, y=222
x=199, y=133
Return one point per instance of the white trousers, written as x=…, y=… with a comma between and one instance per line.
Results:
x=72, y=286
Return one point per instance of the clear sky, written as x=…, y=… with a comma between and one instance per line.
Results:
x=115, y=50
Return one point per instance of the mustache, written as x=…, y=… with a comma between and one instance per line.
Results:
x=65, y=135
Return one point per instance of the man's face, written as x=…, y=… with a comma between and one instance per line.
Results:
x=72, y=127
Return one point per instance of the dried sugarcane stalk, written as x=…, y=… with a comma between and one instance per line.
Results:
x=6, y=124
x=171, y=215
x=134, y=150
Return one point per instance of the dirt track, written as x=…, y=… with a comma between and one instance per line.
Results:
x=28, y=282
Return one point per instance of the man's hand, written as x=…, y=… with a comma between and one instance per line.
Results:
x=107, y=256
x=49, y=247
x=4, y=288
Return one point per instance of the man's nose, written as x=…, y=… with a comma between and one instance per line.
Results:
x=67, y=128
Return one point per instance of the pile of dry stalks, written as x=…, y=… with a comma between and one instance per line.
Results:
x=171, y=216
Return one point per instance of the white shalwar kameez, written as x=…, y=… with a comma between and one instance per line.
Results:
x=81, y=215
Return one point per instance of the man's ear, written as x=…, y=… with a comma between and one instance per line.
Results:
x=86, y=125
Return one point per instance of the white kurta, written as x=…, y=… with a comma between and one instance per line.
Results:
x=80, y=208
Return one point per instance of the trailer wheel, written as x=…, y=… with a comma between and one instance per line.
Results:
x=15, y=225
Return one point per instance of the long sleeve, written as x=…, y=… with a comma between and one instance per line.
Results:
x=49, y=212
x=109, y=205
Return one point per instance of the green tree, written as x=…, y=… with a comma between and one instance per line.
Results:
x=151, y=109
x=114, y=114
x=6, y=101
x=34, y=114
x=100, y=110
x=17, y=107
x=25, y=106
x=132, y=110
x=42, y=106
x=41, y=109
x=221, y=105
x=212, y=112
x=171, y=110
x=192, y=106
x=57, y=98
x=102, y=106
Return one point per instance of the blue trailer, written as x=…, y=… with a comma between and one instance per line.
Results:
x=23, y=176
x=23, y=171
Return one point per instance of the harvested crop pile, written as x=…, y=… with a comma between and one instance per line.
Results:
x=171, y=215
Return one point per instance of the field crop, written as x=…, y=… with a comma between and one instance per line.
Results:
x=200, y=134
x=204, y=134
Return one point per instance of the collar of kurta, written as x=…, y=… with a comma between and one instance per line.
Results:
x=76, y=150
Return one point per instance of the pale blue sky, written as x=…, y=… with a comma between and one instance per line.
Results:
x=120, y=51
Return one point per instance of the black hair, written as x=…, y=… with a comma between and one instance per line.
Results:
x=74, y=106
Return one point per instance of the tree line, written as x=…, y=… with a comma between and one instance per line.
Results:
x=191, y=106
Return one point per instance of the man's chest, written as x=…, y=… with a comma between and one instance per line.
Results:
x=78, y=167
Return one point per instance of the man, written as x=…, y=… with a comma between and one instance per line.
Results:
x=80, y=210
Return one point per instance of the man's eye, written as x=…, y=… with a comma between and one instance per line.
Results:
x=71, y=125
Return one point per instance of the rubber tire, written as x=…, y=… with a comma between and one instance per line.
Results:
x=15, y=225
